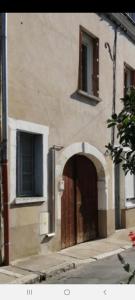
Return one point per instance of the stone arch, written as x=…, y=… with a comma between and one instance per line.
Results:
x=99, y=161
x=88, y=150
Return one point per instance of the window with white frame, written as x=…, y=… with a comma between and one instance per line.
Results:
x=129, y=78
x=130, y=189
x=28, y=161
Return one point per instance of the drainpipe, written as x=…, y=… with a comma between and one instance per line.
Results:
x=0, y=154
x=4, y=161
x=113, y=58
x=114, y=81
x=52, y=204
x=52, y=217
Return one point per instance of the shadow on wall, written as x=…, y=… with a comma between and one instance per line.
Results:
x=112, y=25
x=81, y=98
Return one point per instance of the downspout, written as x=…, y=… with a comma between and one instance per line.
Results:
x=114, y=82
x=116, y=170
x=52, y=217
x=53, y=190
x=113, y=58
x=0, y=151
x=4, y=161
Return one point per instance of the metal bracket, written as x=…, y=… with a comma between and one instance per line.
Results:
x=107, y=46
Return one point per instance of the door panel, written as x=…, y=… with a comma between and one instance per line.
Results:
x=79, y=209
x=86, y=199
x=68, y=226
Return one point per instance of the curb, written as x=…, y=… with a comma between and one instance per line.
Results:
x=31, y=279
x=43, y=275
x=62, y=268
x=58, y=270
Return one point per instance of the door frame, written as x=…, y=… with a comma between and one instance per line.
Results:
x=104, y=186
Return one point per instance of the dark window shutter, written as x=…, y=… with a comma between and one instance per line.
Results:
x=84, y=67
x=25, y=164
x=125, y=81
x=96, y=67
x=133, y=78
x=80, y=60
x=18, y=167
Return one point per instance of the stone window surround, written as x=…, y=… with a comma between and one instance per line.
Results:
x=14, y=125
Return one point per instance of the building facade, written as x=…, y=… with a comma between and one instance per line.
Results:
x=66, y=73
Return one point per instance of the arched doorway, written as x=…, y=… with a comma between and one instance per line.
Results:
x=79, y=202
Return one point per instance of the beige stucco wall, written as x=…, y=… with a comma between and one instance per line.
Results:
x=43, y=55
x=43, y=62
x=128, y=217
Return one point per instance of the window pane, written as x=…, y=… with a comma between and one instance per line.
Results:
x=128, y=79
x=29, y=177
x=25, y=164
x=87, y=63
x=27, y=184
x=84, y=67
x=129, y=186
x=26, y=143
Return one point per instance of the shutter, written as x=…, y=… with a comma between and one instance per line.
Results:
x=84, y=67
x=27, y=158
x=80, y=60
x=96, y=67
x=18, y=165
x=125, y=81
x=25, y=164
x=133, y=78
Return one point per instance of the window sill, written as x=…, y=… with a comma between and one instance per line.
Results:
x=88, y=96
x=130, y=203
x=130, y=206
x=27, y=200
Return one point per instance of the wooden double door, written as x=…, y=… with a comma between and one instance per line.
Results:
x=79, y=205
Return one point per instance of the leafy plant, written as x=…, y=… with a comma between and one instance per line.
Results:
x=125, y=123
x=126, y=266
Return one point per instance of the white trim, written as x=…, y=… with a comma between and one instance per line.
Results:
x=129, y=205
x=29, y=200
x=50, y=234
x=28, y=126
x=15, y=125
x=85, y=148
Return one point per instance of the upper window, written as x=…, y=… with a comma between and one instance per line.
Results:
x=89, y=63
x=129, y=78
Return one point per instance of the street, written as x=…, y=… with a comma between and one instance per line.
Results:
x=104, y=271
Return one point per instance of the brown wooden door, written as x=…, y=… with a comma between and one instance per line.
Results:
x=79, y=202
x=68, y=223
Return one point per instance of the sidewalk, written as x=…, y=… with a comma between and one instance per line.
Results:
x=40, y=267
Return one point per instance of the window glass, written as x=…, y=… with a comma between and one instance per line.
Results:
x=129, y=79
x=89, y=64
x=29, y=158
